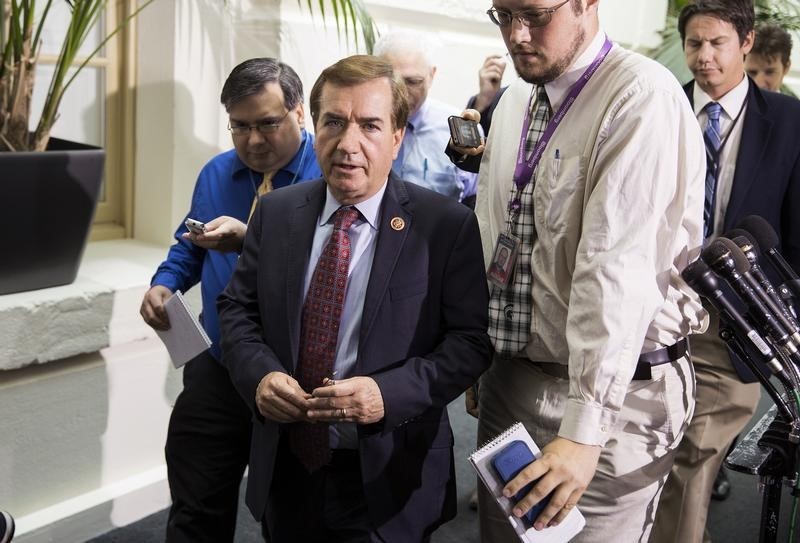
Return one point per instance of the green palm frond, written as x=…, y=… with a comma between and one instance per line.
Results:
x=349, y=16
x=85, y=14
x=675, y=6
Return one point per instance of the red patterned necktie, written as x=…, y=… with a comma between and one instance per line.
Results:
x=319, y=333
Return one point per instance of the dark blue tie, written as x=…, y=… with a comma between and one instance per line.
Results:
x=712, y=139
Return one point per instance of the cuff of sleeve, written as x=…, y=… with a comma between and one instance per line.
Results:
x=587, y=424
x=391, y=418
x=166, y=280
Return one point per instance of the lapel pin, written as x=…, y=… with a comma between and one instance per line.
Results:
x=397, y=223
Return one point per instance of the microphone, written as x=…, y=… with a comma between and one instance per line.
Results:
x=725, y=258
x=768, y=240
x=700, y=277
x=750, y=249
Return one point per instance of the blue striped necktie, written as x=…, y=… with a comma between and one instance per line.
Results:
x=711, y=135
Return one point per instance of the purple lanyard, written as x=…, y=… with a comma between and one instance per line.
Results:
x=525, y=168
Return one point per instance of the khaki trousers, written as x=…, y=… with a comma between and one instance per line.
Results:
x=723, y=407
x=620, y=502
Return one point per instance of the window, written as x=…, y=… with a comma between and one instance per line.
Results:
x=97, y=107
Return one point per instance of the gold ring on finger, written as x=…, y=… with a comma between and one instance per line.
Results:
x=344, y=413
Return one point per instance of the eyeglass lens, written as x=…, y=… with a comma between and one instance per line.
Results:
x=531, y=18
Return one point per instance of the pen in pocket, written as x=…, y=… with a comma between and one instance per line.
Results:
x=556, y=162
x=425, y=169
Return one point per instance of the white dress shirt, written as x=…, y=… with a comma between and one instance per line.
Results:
x=618, y=207
x=422, y=160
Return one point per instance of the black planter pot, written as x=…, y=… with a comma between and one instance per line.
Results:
x=47, y=201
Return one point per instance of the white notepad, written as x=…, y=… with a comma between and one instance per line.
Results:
x=185, y=338
x=481, y=461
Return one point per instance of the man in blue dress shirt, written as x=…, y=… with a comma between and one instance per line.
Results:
x=208, y=439
x=422, y=159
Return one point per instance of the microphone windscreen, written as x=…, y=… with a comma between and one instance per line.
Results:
x=741, y=242
x=739, y=258
x=714, y=252
x=700, y=277
x=761, y=230
x=742, y=233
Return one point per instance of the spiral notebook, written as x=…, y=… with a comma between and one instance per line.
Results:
x=185, y=338
x=481, y=460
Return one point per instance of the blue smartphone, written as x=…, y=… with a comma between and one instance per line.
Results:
x=507, y=463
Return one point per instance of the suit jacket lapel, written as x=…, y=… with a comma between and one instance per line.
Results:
x=688, y=88
x=755, y=137
x=390, y=243
x=302, y=225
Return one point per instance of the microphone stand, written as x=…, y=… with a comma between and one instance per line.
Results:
x=789, y=293
x=736, y=345
x=770, y=449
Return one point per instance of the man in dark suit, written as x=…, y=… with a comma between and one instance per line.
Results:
x=357, y=312
x=753, y=168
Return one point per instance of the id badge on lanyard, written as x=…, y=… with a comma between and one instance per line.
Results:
x=506, y=250
x=504, y=260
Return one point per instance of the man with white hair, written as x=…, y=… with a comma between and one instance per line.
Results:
x=421, y=159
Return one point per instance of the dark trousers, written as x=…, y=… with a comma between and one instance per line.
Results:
x=327, y=506
x=208, y=444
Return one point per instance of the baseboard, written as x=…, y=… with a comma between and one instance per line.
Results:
x=94, y=513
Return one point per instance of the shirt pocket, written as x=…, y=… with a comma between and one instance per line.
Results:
x=559, y=192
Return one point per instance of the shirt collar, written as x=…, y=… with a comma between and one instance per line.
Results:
x=731, y=103
x=558, y=88
x=417, y=120
x=369, y=208
x=294, y=165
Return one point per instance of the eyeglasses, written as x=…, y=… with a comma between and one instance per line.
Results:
x=533, y=18
x=263, y=127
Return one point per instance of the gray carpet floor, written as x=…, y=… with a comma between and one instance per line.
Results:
x=732, y=521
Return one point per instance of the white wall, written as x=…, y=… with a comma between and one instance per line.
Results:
x=185, y=50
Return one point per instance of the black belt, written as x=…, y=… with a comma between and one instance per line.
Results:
x=664, y=355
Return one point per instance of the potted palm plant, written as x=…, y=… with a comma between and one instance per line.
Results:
x=49, y=187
